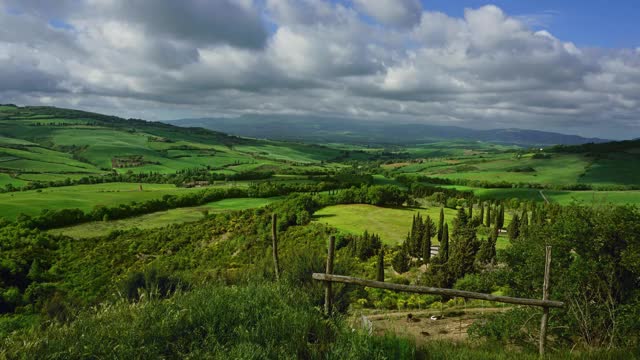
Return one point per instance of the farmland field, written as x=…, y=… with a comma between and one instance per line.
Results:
x=48, y=144
x=615, y=169
x=83, y=197
x=161, y=218
x=563, y=197
x=6, y=179
x=510, y=167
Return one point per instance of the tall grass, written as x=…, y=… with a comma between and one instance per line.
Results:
x=239, y=322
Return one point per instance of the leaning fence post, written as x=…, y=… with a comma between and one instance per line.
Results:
x=329, y=270
x=545, y=296
x=274, y=238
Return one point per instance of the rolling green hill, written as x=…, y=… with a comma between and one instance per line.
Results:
x=46, y=143
x=49, y=153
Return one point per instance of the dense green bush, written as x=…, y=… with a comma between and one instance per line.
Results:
x=596, y=252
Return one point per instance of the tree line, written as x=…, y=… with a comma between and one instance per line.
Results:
x=408, y=179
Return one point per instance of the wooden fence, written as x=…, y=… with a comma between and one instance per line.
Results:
x=545, y=303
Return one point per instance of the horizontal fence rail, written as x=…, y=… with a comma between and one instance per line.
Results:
x=436, y=291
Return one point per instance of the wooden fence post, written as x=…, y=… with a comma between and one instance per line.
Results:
x=545, y=296
x=328, y=298
x=274, y=238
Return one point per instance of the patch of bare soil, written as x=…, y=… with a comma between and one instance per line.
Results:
x=396, y=165
x=450, y=325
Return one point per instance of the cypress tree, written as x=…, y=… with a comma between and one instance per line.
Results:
x=413, y=225
x=492, y=245
x=481, y=212
x=514, y=228
x=487, y=251
x=352, y=246
x=380, y=269
x=461, y=220
x=463, y=248
x=414, y=247
x=524, y=221
x=407, y=242
x=471, y=211
x=524, y=217
x=444, y=244
x=500, y=217
x=488, y=222
x=534, y=215
x=427, y=234
x=426, y=252
x=441, y=224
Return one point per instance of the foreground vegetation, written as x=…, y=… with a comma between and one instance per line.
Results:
x=157, y=279
x=222, y=322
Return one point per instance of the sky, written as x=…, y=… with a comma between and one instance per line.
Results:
x=566, y=66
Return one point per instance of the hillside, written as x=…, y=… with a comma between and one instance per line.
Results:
x=323, y=129
x=48, y=144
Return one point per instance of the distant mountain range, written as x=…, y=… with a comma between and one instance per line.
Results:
x=342, y=130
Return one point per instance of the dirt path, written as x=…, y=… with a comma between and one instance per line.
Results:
x=544, y=197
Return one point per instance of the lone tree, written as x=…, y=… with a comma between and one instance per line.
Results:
x=400, y=261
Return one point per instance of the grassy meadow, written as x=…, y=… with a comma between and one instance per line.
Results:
x=392, y=224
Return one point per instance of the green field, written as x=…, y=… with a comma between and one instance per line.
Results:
x=392, y=224
x=614, y=169
x=518, y=167
x=563, y=197
x=7, y=179
x=559, y=169
x=84, y=197
x=594, y=197
x=161, y=218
